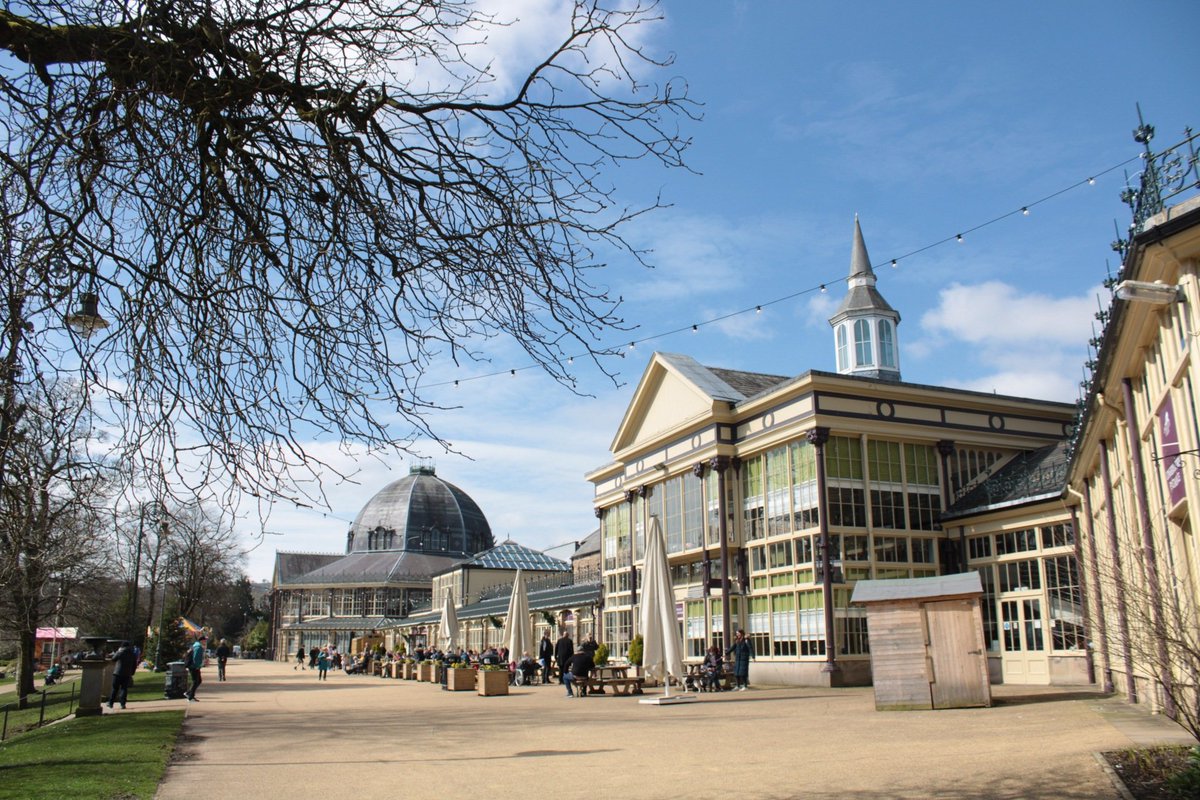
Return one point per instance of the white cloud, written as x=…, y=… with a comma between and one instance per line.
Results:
x=1023, y=343
x=997, y=314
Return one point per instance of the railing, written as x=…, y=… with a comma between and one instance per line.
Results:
x=1027, y=483
x=1164, y=178
x=558, y=580
x=11, y=707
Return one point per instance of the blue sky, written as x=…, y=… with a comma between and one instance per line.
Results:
x=926, y=119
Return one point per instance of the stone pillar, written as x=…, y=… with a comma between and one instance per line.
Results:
x=91, y=686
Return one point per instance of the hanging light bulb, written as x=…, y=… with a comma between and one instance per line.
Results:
x=758, y=309
x=959, y=238
x=1025, y=210
x=1091, y=181
x=570, y=359
x=632, y=345
x=823, y=289
x=456, y=384
x=512, y=372
x=695, y=329
x=894, y=264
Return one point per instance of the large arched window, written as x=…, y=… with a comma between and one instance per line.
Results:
x=863, y=352
x=843, y=349
x=887, y=344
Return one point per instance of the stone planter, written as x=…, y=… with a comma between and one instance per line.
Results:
x=490, y=682
x=460, y=679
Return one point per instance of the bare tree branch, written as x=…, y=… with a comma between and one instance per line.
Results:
x=286, y=236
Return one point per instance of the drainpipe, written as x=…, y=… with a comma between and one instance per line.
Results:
x=1148, y=552
x=1118, y=576
x=1083, y=587
x=1094, y=570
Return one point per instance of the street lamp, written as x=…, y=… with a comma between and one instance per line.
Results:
x=1157, y=293
x=87, y=320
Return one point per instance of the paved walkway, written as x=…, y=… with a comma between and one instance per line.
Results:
x=272, y=732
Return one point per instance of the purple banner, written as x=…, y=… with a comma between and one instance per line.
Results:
x=1171, y=462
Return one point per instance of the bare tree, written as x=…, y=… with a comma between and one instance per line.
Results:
x=290, y=209
x=52, y=532
x=1156, y=646
x=201, y=557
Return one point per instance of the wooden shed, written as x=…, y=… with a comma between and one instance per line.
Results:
x=926, y=639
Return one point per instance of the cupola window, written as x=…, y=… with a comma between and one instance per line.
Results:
x=887, y=345
x=863, y=351
x=843, y=349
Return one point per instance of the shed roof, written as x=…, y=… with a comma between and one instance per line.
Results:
x=882, y=591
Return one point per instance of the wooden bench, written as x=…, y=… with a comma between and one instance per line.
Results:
x=621, y=686
x=625, y=686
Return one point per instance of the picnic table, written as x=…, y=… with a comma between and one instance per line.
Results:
x=616, y=678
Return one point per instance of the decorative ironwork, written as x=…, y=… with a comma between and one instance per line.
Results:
x=1164, y=177
x=591, y=575
x=1014, y=481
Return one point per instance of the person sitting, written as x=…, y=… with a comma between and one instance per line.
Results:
x=711, y=670
x=53, y=674
x=527, y=668
x=578, y=670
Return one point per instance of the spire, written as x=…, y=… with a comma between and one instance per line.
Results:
x=860, y=262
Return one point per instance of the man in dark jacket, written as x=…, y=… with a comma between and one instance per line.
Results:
x=126, y=663
x=563, y=650
x=545, y=654
x=578, y=669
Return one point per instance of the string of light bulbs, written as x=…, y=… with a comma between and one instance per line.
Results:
x=757, y=308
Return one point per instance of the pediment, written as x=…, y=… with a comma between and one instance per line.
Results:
x=674, y=392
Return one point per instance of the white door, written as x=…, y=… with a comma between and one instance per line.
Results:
x=1023, y=642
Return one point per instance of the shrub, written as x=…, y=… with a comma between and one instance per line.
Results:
x=601, y=655
x=635, y=650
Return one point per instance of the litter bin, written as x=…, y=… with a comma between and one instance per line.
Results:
x=177, y=677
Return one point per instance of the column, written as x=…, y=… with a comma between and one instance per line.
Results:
x=817, y=437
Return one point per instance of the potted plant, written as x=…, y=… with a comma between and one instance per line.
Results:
x=460, y=678
x=491, y=680
x=635, y=654
x=427, y=671
x=409, y=670
x=601, y=656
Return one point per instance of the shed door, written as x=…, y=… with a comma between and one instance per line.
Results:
x=958, y=663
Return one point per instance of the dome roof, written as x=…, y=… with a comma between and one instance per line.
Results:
x=421, y=513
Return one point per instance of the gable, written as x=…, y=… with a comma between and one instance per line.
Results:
x=668, y=397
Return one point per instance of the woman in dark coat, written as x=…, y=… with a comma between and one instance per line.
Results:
x=742, y=652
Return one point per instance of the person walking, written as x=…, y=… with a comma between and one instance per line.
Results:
x=312, y=656
x=299, y=658
x=545, y=654
x=222, y=658
x=742, y=652
x=563, y=650
x=195, y=662
x=122, y=677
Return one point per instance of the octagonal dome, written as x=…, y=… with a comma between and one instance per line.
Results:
x=422, y=513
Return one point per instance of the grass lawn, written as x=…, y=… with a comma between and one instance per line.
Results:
x=146, y=686
x=115, y=756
